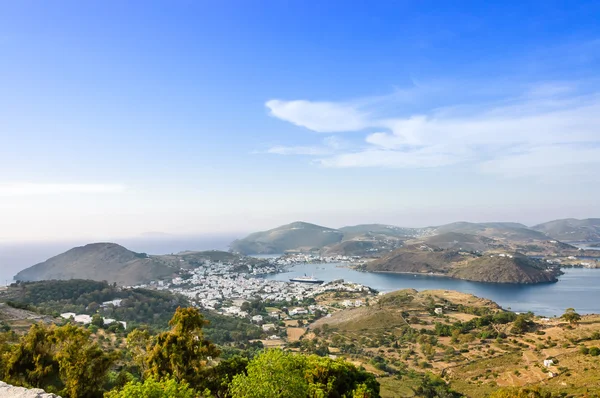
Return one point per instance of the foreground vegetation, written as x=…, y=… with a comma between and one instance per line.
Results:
x=179, y=362
x=402, y=344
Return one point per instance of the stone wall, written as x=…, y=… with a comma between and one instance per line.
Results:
x=7, y=391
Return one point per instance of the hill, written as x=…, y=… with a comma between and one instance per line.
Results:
x=497, y=230
x=379, y=229
x=297, y=236
x=468, y=342
x=494, y=268
x=417, y=260
x=377, y=239
x=463, y=241
x=99, y=261
x=503, y=268
x=572, y=230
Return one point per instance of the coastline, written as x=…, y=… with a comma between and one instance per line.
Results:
x=440, y=275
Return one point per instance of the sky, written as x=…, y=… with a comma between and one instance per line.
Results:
x=213, y=117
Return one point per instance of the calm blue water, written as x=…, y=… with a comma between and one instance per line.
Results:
x=578, y=288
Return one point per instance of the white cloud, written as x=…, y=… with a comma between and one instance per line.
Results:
x=330, y=146
x=322, y=117
x=545, y=129
x=299, y=150
x=29, y=189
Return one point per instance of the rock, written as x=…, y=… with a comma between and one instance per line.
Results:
x=6, y=390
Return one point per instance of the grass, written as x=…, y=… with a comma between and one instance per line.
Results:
x=391, y=387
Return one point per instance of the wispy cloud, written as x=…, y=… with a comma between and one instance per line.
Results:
x=30, y=189
x=329, y=146
x=542, y=129
x=323, y=117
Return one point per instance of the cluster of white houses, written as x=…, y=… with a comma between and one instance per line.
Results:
x=87, y=319
x=212, y=283
x=304, y=258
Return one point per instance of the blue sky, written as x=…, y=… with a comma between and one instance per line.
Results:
x=118, y=118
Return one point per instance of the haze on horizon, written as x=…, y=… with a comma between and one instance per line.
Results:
x=196, y=118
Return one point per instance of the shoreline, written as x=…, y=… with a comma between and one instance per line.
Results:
x=434, y=274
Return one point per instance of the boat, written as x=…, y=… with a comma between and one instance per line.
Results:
x=306, y=279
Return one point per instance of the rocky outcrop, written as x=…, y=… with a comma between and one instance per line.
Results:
x=6, y=390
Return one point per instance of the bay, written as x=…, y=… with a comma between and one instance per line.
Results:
x=578, y=288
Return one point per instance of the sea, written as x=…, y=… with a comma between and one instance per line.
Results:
x=578, y=288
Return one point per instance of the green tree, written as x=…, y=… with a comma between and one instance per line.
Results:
x=521, y=325
x=218, y=378
x=273, y=374
x=571, y=316
x=182, y=352
x=83, y=365
x=338, y=378
x=59, y=359
x=151, y=388
x=31, y=362
x=98, y=320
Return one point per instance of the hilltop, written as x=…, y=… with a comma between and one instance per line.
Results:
x=418, y=260
x=495, y=268
x=503, y=268
x=98, y=261
x=497, y=230
x=294, y=236
x=375, y=240
x=572, y=230
x=115, y=264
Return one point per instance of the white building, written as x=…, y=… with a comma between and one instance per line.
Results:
x=299, y=311
x=268, y=326
x=257, y=318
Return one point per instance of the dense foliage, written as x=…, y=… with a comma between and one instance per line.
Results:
x=179, y=362
x=139, y=307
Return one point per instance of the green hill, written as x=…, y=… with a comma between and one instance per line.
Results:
x=417, y=260
x=462, y=241
x=572, y=230
x=497, y=230
x=494, y=268
x=299, y=236
x=505, y=268
x=99, y=261
x=379, y=229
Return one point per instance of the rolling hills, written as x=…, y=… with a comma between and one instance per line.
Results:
x=572, y=230
x=115, y=264
x=492, y=268
x=376, y=239
x=295, y=236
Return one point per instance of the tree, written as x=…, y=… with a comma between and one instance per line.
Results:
x=218, y=378
x=182, y=352
x=338, y=378
x=151, y=388
x=31, y=362
x=571, y=316
x=521, y=325
x=59, y=359
x=83, y=365
x=272, y=374
x=275, y=373
x=97, y=320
